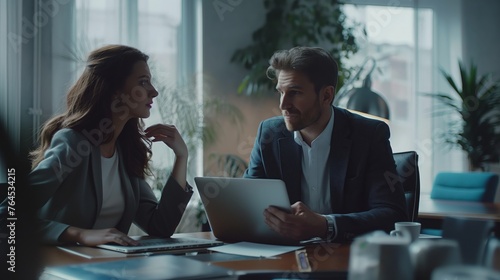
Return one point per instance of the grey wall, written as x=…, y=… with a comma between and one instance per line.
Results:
x=224, y=31
x=481, y=43
x=481, y=34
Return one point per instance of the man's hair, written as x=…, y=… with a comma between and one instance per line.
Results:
x=316, y=63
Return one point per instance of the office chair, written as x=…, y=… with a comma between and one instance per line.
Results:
x=469, y=186
x=465, y=186
x=409, y=176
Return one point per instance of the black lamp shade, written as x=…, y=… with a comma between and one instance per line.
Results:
x=365, y=100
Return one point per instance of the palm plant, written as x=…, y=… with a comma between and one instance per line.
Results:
x=477, y=102
x=226, y=165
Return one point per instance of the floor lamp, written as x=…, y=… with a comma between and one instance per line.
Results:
x=362, y=99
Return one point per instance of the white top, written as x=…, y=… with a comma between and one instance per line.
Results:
x=113, y=201
x=315, y=184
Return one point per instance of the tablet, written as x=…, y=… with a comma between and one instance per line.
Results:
x=235, y=207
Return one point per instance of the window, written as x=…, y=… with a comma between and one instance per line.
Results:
x=403, y=70
x=10, y=68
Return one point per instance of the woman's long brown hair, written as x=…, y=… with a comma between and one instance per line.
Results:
x=89, y=102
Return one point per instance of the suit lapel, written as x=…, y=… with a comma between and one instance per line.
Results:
x=339, y=158
x=291, y=168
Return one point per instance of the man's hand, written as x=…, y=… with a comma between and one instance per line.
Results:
x=93, y=237
x=301, y=224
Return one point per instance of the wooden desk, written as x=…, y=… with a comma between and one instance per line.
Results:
x=431, y=212
x=438, y=209
x=322, y=257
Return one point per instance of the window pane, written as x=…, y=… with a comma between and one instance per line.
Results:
x=400, y=63
x=98, y=21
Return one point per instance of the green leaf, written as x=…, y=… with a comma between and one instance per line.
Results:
x=477, y=133
x=298, y=22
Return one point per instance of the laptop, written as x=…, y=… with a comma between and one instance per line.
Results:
x=174, y=245
x=235, y=207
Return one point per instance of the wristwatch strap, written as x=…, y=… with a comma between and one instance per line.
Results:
x=330, y=221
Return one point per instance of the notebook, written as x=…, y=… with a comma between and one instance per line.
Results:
x=183, y=244
x=235, y=207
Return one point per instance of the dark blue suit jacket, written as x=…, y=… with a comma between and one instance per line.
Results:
x=364, y=194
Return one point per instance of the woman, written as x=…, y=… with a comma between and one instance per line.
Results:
x=88, y=172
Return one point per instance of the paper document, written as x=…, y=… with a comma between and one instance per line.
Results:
x=254, y=249
x=423, y=235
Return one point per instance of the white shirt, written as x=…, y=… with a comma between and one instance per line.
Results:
x=113, y=202
x=315, y=184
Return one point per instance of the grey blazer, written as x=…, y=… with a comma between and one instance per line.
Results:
x=67, y=188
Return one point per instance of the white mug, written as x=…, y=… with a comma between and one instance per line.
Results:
x=412, y=228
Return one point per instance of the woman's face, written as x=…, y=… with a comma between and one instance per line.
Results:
x=135, y=99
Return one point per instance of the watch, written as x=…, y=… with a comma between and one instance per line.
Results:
x=330, y=222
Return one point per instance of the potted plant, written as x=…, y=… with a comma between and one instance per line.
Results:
x=296, y=23
x=477, y=102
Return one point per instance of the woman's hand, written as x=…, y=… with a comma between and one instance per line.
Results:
x=170, y=136
x=93, y=237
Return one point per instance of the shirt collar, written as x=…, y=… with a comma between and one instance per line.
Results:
x=323, y=138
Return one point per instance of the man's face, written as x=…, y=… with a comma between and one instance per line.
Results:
x=299, y=103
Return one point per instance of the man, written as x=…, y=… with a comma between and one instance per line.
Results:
x=336, y=165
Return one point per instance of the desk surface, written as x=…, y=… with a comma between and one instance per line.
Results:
x=438, y=209
x=322, y=257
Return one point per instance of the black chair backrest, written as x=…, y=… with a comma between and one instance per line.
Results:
x=407, y=169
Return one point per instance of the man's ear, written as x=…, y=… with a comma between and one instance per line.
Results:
x=328, y=94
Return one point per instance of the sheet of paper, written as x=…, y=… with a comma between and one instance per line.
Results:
x=254, y=249
x=423, y=235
